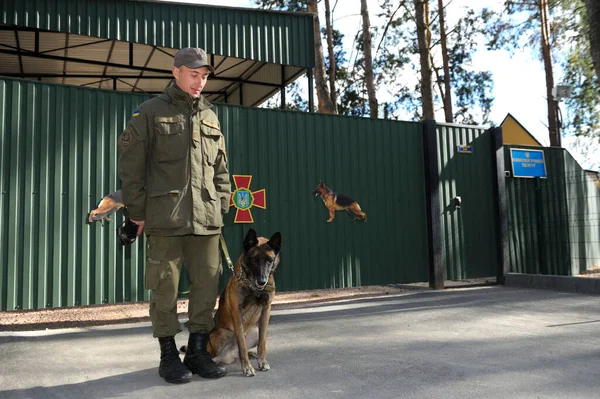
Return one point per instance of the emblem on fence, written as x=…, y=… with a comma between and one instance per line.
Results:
x=243, y=199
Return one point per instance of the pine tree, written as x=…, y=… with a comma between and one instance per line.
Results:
x=368, y=59
x=593, y=21
x=568, y=41
x=424, y=40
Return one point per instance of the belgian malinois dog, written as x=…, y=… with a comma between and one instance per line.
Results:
x=338, y=202
x=244, y=311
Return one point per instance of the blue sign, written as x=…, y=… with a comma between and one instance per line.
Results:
x=528, y=163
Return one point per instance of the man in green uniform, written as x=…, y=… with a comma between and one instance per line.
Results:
x=175, y=182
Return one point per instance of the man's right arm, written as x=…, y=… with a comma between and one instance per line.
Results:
x=133, y=150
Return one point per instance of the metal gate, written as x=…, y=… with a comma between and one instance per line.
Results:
x=468, y=201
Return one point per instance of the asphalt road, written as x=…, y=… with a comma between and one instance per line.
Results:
x=487, y=342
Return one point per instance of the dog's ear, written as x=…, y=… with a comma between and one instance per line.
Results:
x=275, y=242
x=250, y=240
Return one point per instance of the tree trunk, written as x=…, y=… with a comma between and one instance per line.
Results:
x=332, y=65
x=421, y=12
x=547, y=57
x=370, y=80
x=593, y=16
x=447, y=94
x=325, y=105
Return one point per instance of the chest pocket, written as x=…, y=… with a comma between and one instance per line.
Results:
x=211, y=134
x=170, y=142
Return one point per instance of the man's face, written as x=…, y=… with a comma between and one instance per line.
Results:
x=191, y=81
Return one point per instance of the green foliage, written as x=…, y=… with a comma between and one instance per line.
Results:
x=395, y=64
x=282, y=5
x=583, y=116
x=472, y=90
x=518, y=27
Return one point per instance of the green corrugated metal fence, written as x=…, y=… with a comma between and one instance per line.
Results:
x=378, y=163
x=58, y=148
x=469, y=231
x=554, y=223
x=273, y=37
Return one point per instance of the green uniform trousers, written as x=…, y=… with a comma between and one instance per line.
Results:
x=164, y=256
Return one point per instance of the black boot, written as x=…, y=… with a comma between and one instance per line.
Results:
x=198, y=360
x=171, y=368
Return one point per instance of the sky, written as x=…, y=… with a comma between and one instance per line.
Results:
x=519, y=81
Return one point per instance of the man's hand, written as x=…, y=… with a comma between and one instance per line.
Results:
x=140, y=224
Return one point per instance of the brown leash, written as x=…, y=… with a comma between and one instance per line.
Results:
x=240, y=277
x=225, y=252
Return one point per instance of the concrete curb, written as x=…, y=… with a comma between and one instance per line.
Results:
x=580, y=285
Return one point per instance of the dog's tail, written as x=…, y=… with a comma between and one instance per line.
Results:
x=357, y=213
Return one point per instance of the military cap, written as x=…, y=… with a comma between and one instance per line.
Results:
x=193, y=58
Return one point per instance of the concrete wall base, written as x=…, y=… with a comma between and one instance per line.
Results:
x=581, y=285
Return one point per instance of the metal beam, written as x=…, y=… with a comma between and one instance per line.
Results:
x=130, y=54
x=81, y=75
x=21, y=28
x=65, y=57
x=19, y=52
x=220, y=63
x=164, y=52
x=73, y=46
x=311, y=95
x=234, y=66
x=282, y=87
x=269, y=94
x=27, y=53
x=132, y=86
x=145, y=65
x=112, y=76
x=99, y=82
x=263, y=98
x=112, y=46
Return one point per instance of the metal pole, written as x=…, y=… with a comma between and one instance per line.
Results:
x=432, y=193
x=283, y=87
x=311, y=95
x=500, y=204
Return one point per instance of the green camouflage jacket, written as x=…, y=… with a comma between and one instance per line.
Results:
x=173, y=166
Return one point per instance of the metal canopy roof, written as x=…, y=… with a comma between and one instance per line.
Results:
x=129, y=45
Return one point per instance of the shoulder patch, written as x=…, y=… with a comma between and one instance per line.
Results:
x=126, y=138
x=136, y=112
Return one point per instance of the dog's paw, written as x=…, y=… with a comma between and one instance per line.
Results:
x=248, y=371
x=263, y=365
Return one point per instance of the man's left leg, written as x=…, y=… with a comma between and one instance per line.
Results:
x=202, y=258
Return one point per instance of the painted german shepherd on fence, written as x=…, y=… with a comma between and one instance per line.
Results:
x=338, y=202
